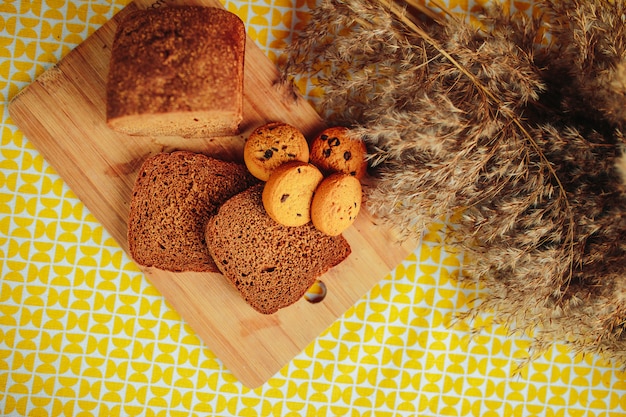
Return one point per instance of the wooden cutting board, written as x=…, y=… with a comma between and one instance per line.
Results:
x=63, y=114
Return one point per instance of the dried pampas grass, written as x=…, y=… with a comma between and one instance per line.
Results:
x=520, y=132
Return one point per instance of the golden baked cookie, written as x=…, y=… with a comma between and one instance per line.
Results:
x=271, y=145
x=334, y=150
x=336, y=203
x=288, y=192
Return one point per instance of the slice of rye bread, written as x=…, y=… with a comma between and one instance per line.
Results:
x=174, y=196
x=271, y=265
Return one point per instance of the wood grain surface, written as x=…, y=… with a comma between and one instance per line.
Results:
x=63, y=114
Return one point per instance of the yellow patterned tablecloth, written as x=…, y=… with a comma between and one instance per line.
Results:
x=68, y=295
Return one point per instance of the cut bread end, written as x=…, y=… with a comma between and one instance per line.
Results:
x=192, y=124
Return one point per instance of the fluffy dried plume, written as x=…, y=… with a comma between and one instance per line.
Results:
x=518, y=130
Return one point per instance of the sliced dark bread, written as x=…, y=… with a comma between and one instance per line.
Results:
x=271, y=265
x=174, y=196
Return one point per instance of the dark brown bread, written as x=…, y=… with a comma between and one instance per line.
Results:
x=271, y=265
x=173, y=197
x=177, y=71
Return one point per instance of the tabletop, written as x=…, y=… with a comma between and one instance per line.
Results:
x=69, y=294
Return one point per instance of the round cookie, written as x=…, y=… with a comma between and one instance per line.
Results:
x=334, y=150
x=336, y=203
x=288, y=192
x=271, y=145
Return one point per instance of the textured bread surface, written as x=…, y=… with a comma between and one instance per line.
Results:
x=177, y=71
x=173, y=197
x=271, y=145
x=334, y=150
x=271, y=265
x=336, y=203
x=288, y=192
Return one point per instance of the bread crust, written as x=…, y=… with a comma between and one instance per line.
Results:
x=177, y=71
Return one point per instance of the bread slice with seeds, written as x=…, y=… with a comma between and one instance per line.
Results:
x=271, y=265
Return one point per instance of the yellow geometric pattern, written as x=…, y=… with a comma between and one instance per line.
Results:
x=83, y=333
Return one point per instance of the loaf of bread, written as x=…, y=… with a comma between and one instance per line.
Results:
x=174, y=196
x=271, y=265
x=177, y=71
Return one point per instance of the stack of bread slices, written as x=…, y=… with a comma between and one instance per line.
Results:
x=192, y=212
